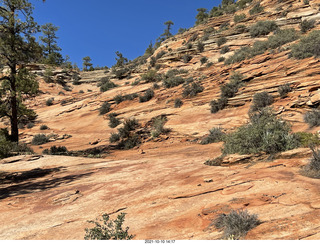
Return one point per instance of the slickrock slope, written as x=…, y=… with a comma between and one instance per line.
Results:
x=163, y=184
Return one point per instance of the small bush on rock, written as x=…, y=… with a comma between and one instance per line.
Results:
x=263, y=28
x=113, y=120
x=261, y=100
x=312, y=118
x=39, y=139
x=236, y=224
x=178, y=103
x=147, y=96
x=105, y=108
x=312, y=169
x=284, y=90
x=216, y=135
x=192, y=89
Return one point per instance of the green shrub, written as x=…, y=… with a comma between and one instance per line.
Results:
x=105, y=108
x=200, y=47
x=262, y=28
x=312, y=118
x=147, y=96
x=307, y=47
x=121, y=73
x=192, y=89
x=115, y=137
x=236, y=224
x=224, y=49
x=44, y=127
x=186, y=58
x=105, y=84
x=67, y=88
x=308, y=139
x=54, y=150
x=30, y=125
x=306, y=2
x=158, y=126
x=178, y=103
x=307, y=25
x=215, y=135
x=189, y=45
x=284, y=90
x=173, y=81
x=261, y=100
x=47, y=76
x=217, y=105
x=49, y=102
x=109, y=229
x=153, y=61
x=312, y=169
x=229, y=90
x=39, y=139
x=221, y=59
x=282, y=37
x=160, y=54
x=221, y=41
x=257, y=8
x=81, y=91
x=118, y=99
x=113, y=120
x=203, y=60
x=264, y=133
x=239, y=17
x=151, y=76
x=241, y=29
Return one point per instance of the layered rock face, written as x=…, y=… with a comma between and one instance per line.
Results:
x=163, y=184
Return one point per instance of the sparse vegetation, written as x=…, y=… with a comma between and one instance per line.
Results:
x=40, y=139
x=257, y=8
x=224, y=49
x=56, y=150
x=105, y=84
x=158, y=126
x=263, y=28
x=307, y=47
x=147, y=96
x=192, y=89
x=113, y=120
x=151, y=76
x=215, y=135
x=108, y=229
x=264, y=133
x=308, y=139
x=178, y=103
x=44, y=127
x=236, y=224
x=261, y=100
x=284, y=90
x=105, y=108
x=173, y=81
x=307, y=25
x=200, y=47
x=186, y=58
x=217, y=105
x=312, y=118
x=221, y=41
x=239, y=17
x=203, y=60
x=49, y=102
x=312, y=169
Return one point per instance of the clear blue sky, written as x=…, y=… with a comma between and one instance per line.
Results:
x=99, y=28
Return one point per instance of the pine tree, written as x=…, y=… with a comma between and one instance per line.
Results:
x=202, y=15
x=17, y=47
x=86, y=63
x=51, y=51
x=121, y=60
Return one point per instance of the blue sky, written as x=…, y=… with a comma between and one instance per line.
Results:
x=99, y=28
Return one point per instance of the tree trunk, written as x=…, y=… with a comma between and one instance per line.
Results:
x=14, y=106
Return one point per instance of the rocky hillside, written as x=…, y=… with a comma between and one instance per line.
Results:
x=161, y=182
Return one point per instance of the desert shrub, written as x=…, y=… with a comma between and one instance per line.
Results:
x=221, y=41
x=173, y=81
x=229, y=90
x=105, y=84
x=63, y=102
x=56, y=150
x=215, y=12
x=284, y=90
x=243, y=3
x=241, y=29
x=147, y=96
x=160, y=54
x=109, y=229
x=312, y=169
x=262, y=28
x=155, y=86
x=239, y=17
x=308, y=46
x=221, y=59
x=224, y=26
x=151, y=76
x=113, y=120
x=308, y=139
x=261, y=100
x=174, y=72
x=192, y=89
x=153, y=61
x=217, y=105
x=30, y=125
x=203, y=60
x=282, y=37
x=158, y=126
x=44, y=127
x=115, y=137
x=236, y=224
x=178, y=103
x=118, y=99
x=257, y=8
x=67, y=88
x=47, y=76
x=39, y=139
x=105, y=108
x=200, y=47
x=306, y=25
x=306, y=2
x=238, y=56
x=121, y=73
x=264, y=133
x=224, y=49
x=49, y=102
x=61, y=93
x=312, y=118
x=186, y=58
x=215, y=135
x=189, y=45
x=126, y=137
